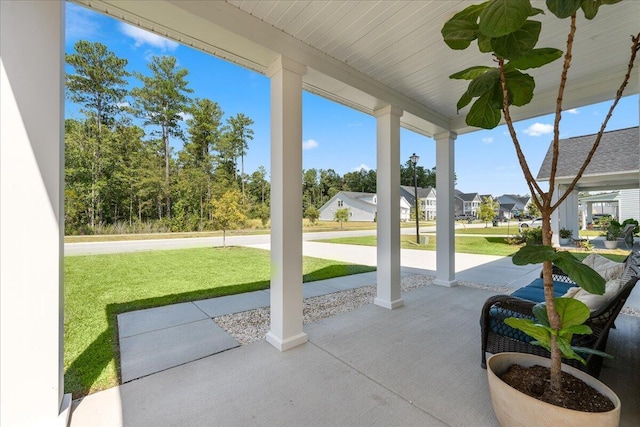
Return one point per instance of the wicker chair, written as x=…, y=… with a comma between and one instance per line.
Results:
x=498, y=337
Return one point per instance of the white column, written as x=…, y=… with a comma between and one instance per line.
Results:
x=567, y=214
x=286, y=204
x=589, y=218
x=389, y=293
x=445, y=191
x=31, y=214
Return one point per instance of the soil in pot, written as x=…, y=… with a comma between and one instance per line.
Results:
x=576, y=394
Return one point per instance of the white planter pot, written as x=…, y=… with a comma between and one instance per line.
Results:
x=513, y=408
x=564, y=241
x=610, y=244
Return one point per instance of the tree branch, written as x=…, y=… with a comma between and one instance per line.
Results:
x=531, y=182
x=558, y=114
x=635, y=47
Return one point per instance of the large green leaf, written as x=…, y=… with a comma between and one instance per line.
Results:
x=590, y=7
x=482, y=114
x=534, y=58
x=537, y=332
x=533, y=254
x=459, y=31
x=520, y=87
x=502, y=17
x=518, y=43
x=578, y=329
x=470, y=73
x=458, y=34
x=567, y=351
x=464, y=100
x=564, y=8
x=484, y=82
x=540, y=311
x=484, y=43
x=587, y=278
x=572, y=312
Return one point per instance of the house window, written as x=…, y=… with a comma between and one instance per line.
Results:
x=340, y=203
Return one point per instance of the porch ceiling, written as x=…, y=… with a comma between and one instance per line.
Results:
x=368, y=54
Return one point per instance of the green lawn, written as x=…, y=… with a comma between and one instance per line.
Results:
x=464, y=244
x=469, y=245
x=98, y=287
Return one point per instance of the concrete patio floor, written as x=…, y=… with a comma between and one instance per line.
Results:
x=416, y=365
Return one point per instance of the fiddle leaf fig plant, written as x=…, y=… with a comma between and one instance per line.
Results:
x=573, y=314
x=507, y=31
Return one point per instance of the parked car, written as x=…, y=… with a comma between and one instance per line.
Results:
x=535, y=223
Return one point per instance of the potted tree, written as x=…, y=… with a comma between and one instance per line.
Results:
x=611, y=236
x=505, y=31
x=565, y=235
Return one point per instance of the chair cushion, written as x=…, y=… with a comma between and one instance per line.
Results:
x=534, y=291
x=595, y=302
x=604, y=267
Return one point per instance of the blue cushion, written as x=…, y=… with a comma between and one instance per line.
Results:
x=534, y=291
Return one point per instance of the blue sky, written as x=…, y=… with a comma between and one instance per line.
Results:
x=334, y=136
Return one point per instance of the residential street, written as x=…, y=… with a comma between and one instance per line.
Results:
x=89, y=248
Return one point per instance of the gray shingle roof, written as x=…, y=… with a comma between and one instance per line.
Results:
x=619, y=151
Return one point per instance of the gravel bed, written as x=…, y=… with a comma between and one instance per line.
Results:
x=253, y=325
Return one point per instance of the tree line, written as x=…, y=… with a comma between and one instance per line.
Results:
x=123, y=175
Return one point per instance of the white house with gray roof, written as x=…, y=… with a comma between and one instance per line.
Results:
x=361, y=206
x=426, y=200
x=614, y=166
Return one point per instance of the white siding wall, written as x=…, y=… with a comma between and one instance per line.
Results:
x=357, y=213
x=629, y=204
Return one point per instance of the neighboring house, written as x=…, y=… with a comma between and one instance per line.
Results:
x=620, y=204
x=615, y=166
x=466, y=203
x=511, y=205
x=361, y=206
x=426, y=200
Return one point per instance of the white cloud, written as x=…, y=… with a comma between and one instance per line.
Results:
x=144, y=37
x=80, y=23
x=185, y=116
x=573, y=111
x=354, y=125
x=309, y=144
x=538, y=129
x=488, y=140
x=362, y=166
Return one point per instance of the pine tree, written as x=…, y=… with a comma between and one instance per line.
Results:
x=98, y=85
x=162, y=101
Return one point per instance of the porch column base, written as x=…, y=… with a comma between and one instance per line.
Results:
x=389, y=304
x=65, y=411
x=446, y=283
x=288, y=343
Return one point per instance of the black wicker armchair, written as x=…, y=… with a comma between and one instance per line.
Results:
x=498, y=337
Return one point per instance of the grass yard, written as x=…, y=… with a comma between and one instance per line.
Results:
x=98, y=287
x=469, y=245
x=464, y=244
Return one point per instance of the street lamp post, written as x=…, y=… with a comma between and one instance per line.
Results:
x=414, y=161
